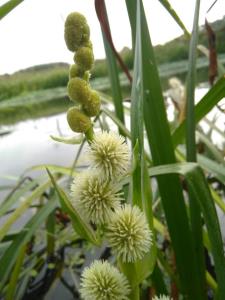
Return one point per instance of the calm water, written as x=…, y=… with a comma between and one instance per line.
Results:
x=30, y=144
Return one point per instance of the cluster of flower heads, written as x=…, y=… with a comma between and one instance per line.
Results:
x=96, y=192
x=87, y=101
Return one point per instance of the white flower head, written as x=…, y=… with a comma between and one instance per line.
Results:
x=128, y=233
x=162, y=297
x=95, y=197
x=110, y=154
x=102, y=281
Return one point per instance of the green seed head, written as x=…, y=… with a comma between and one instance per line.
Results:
x=77, y=121
x=89, y=45
x=75, y=71
x=102, y=281
x=76, y=32
x=92, y=108
x=84, y=58
x=79, y=90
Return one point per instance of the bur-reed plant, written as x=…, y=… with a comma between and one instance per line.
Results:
x=148, y=234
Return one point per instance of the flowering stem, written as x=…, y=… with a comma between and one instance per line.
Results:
x=135, y=294
x=89, y=134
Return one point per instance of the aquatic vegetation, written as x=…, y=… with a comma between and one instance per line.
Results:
x=102, y=227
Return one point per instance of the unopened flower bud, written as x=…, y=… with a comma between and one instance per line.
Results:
x=77, y=121
x=79, y=90
x=84, y=58
x=75, y=71
x=92, y=108
x=76, y=32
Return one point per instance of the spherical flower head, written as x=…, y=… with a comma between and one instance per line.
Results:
x=77, y=32
x=110, y=154
x=78, y=121
x=75, y=71
x=92, y=108
x=162, y=297
x=102, y=281
x=95, y=197
x=128, y=233
x=84, y=58
x=78, y=90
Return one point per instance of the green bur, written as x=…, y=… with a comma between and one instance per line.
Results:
x=77, y=32
x=92, y=108
x=84, y=58
x=77, y=121
x=79, y=90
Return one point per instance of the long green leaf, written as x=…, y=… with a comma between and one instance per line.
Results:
x=141, y=189
x=16, y=194
x=113, y=74
x=199, y=188
x=22, y=208
x=195, y=214
x=160, y=142
x=175, y=16
x=8, y=6
x=9, y=258
x=15, y=274
x=80, y=226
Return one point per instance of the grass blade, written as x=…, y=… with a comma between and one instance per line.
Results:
x=8, y=6
x=22, y=208
x=158, y=133
x=141, y=189
x=195, y=214
x=174, y=15
x=199, y=188
x=15, y=274
x=191, y=78
x=80, y=226
x=111, y=62
x=9, y=258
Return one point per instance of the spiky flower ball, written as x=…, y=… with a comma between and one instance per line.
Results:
x=78, y=90
x=95, y=197
x=102, y=281
x=77, y=32
x=162, y=297
x=128, y=233
x=84, y=58
x=78, y=121
x=110, y=154
x=92, y=108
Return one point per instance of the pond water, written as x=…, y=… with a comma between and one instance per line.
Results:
x=29, y=143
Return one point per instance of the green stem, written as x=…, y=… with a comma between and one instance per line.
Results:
x=89, y=134
x=135, y=293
